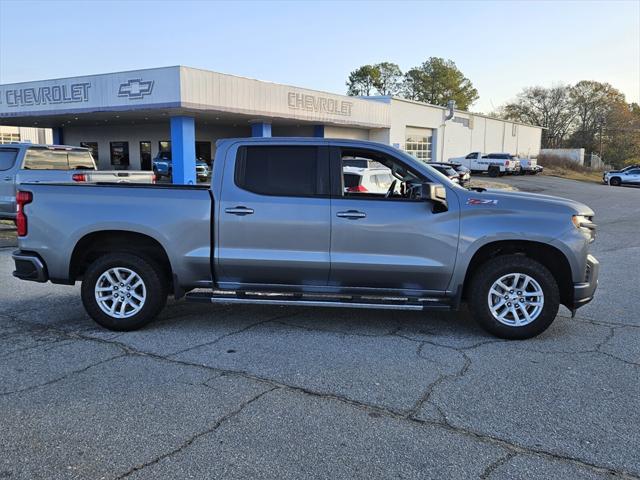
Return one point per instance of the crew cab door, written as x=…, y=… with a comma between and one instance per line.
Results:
x=389, y=243
x=273, y=216
x=8, y=157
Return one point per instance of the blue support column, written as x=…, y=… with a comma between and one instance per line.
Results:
x=260, y=129
x=183, y=150
x=318, y=131
x=57, y=136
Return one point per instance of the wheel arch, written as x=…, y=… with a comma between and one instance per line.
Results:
x=94, y=244
x=549, y=256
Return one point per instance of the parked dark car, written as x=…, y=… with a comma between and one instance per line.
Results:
x=464, y=174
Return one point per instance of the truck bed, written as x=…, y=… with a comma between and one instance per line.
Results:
x=178, y=217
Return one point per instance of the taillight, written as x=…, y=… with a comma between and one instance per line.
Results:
x=359, y=188
x=79, y=177
x=154, y=178
x=22, y=198
x=506, y=163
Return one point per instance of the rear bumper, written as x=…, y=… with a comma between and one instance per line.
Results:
x=583, y=292
x=29, y=266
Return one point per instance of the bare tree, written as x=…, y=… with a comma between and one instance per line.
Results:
x=551, y=108
x=595, y=104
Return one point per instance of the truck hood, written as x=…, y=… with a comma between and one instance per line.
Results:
x=530, y=201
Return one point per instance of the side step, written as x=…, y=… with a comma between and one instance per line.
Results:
x=315, y=300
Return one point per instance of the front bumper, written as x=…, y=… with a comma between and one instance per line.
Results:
x=29, y=266
x=583, y=292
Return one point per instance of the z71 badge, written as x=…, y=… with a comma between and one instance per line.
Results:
x=482, y=201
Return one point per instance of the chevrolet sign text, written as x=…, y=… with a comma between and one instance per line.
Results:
x=312, y=103
x=50, y=95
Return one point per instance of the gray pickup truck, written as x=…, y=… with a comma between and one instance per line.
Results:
x=26, y=162
x=278, y=226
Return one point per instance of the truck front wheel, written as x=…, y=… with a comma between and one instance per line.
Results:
x=514, y=297
x=123, y=292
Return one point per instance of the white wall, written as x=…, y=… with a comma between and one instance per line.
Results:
x=30, y=134
x=464, y=133
x=346, y=132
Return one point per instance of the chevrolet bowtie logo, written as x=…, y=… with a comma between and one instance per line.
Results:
x=135, y=89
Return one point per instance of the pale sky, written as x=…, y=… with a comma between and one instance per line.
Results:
x=500, y=46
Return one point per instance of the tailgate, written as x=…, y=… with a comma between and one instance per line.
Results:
x=120, y=176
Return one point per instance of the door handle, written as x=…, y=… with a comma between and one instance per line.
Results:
x=351, y=214
x=240, y=211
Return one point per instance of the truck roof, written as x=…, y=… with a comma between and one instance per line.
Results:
x=41, y=145
x=299, y=140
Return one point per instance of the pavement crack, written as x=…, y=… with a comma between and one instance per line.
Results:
x=383, y=411
x=44, y=346
x=494, y=465
x=187, y=443
x=338, y=332
x=426, y=396
x=59, y=379
x=235, y=332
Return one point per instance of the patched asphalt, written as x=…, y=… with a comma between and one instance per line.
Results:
x=286, y=392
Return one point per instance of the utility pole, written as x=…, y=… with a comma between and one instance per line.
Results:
x=601, y=124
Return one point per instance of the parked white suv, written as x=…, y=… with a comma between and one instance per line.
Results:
x=374, y=180
x=628, y=176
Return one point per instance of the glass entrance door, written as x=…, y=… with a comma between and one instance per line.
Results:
x=145, y=155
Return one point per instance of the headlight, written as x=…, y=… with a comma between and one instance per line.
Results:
x=585, y=224
x=578, y=220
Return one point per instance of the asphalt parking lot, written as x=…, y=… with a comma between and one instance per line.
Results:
x=283, y=392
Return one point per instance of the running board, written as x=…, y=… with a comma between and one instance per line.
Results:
x=310, y=300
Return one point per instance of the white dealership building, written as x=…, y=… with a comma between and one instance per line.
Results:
x=128, y=118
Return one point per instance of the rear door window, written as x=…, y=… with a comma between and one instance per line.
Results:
x=46, y=159
x=7, y=158
x=287, y=171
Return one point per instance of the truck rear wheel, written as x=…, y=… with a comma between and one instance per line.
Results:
x=514, y=297
x=123, y=291
x=494, y=171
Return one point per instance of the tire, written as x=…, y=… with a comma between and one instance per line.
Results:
x=615, y=182
x=153, y=290
x=504, y=268
x=494, y=171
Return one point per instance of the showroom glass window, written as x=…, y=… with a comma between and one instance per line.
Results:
x=164, y=149
x=283, y=171
x=119, y=154
x=418, y=142
x=9, y=137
